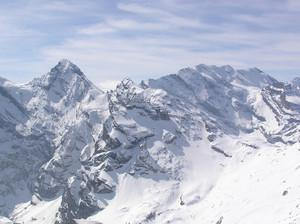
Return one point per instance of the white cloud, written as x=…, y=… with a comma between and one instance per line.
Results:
x=162, y=15
x=96, y=29
x=107, y=85
x=115, y=25
x=110, y=41
x=62, y=6
x=144, y=57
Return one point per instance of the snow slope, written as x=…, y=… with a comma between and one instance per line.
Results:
x=206, y=145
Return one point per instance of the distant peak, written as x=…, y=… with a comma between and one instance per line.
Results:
x=187, y=69
x=202, y=67
x=65, y=61
x=65, y=65
x=214, y=69
x=64, y=71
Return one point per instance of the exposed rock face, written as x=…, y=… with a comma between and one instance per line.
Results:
x=62, y=137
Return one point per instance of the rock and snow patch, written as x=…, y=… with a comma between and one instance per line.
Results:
x=168, y=137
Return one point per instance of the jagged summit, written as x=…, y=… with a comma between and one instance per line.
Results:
x=65, y=70
x=225, y=73
x=64, y=73
x=64, y=66
x=63, y=87
x=202, y=77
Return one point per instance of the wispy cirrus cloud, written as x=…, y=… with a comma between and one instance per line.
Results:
x=114, y=39
x=115, y=25
x=161, y=15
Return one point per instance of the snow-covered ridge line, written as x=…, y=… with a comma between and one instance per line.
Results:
x=154, y=152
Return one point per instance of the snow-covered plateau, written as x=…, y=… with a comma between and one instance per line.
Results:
x=209, y=145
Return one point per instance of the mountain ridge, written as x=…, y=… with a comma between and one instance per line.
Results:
x=170, y=139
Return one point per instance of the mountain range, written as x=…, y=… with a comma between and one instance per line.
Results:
x=209, y=144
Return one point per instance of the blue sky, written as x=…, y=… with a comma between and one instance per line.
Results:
x=113, y=39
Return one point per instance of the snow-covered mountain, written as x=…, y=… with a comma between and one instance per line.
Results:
x=206, y=145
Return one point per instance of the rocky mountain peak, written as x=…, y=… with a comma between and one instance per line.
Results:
x=65, y=66
x=65, y=73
